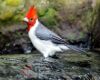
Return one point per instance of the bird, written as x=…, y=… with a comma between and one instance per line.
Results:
x=43, y=39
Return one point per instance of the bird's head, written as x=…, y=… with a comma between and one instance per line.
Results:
x=31, y=17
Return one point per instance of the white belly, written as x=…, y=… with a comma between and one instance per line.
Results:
x=47, y=48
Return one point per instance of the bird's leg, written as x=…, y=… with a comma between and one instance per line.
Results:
x=49, y=59
x=54, y=56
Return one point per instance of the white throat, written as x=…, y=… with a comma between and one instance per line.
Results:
x=36, y=24
x=32, y=30
x=34, y=27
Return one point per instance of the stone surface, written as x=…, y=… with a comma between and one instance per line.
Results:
x=68, y=18
x=70, y=66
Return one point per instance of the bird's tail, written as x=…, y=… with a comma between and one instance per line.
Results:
x=75, y=48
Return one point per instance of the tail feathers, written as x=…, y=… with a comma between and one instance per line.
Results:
x=75, y=48
x=63, y=47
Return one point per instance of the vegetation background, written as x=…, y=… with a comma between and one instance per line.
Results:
x=77, y=21
x=68, y=18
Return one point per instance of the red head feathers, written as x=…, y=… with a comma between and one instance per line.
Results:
x=32, y=13
x=31, y=17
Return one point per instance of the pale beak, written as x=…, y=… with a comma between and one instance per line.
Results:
x=25, y=19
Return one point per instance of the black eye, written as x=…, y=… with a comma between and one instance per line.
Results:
x=31, y=19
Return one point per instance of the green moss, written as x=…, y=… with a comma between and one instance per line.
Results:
x=74, y=36
x=97, y=4
x=71, y=4
x=18, y=18
x=71, y=18
x=50, y=17
x=81, y=35
x=71, y=36
x=88, y=18
x=51, y=12
x=6, y=15
x=9, y=10
x=13, y=2
x=42, y=12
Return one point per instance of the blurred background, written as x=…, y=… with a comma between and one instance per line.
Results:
x=77, y=21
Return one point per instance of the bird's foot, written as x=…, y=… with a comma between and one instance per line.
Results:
x=49, y=59
x=55, y=57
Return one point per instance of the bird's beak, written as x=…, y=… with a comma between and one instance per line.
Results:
x=25, y=19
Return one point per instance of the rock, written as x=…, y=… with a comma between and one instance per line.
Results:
x=18, y=43
x=48, y=70
x=34, y=67
x=10, y=9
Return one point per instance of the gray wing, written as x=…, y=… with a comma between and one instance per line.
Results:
x=44, y=33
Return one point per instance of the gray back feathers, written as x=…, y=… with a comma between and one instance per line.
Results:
x=44, y=33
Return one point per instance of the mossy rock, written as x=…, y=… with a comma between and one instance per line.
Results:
x=42, y=12
x=50, y=17
x=6, y=15
x=14, y=2
x=10, y=8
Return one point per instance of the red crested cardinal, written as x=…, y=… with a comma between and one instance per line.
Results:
x=43, y=39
